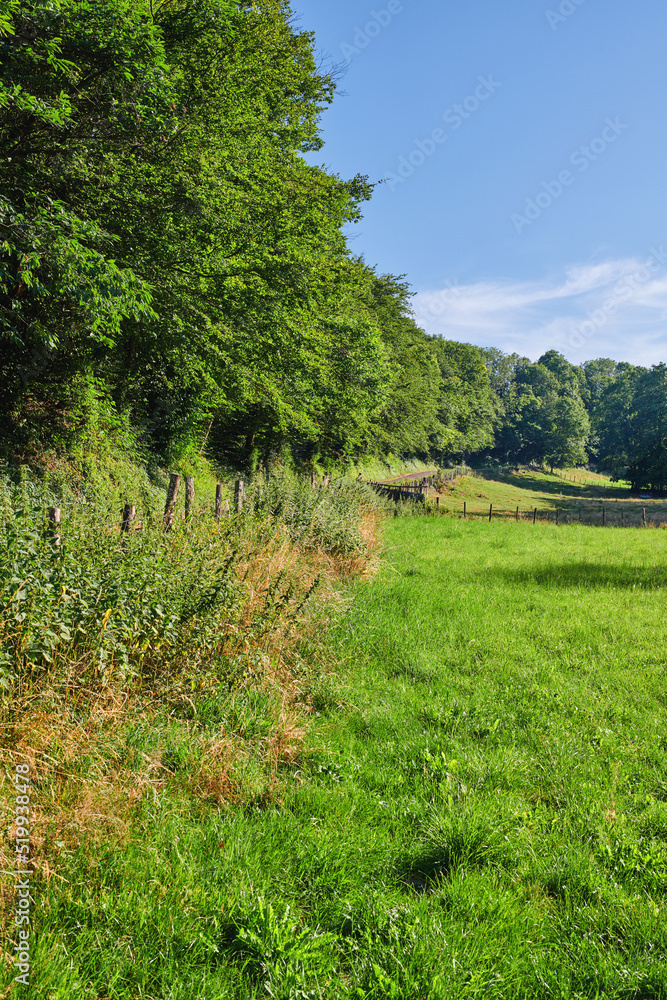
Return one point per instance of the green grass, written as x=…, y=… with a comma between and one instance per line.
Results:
x=481, y=810
x=530, y=489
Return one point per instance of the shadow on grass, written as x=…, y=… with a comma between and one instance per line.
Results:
x=588, y=575
x=558, y=487
x=413, y=670
x=652, y=987
x=461, y=839
x=424, y=873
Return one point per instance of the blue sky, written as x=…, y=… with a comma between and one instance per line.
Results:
x=524, y=152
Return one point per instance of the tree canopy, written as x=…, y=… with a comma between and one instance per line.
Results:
x=170, y=258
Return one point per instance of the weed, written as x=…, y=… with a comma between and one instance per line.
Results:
x=289, y=959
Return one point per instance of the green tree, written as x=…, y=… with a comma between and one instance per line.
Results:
x=162, y=228
x=599, y=374
x=468, y=406
x=502, y=370
x=60, y=93
x=613, y=421
x=409, y=411
x=567, y=432
x=566, y=427
x=544, y=416
x=571, y=379
x=648, y=422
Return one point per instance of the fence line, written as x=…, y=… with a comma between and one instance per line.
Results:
x=559, y=516
x=128, y=522
x=416, y=491
x=448, y=475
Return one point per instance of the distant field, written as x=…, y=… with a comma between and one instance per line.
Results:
x=480, y=811
x=527, y=490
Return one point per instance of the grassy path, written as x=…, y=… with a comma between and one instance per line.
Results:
x=406, y=477
x=481, y=812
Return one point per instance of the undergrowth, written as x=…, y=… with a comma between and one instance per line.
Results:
x=97, y=602
x=185, y=660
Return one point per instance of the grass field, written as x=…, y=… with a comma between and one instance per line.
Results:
x=480, y=809
x=530, y=489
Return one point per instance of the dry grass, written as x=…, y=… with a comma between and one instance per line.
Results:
x=87, y=786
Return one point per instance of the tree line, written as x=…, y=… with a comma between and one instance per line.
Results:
x=174, y=271
x=609, y=413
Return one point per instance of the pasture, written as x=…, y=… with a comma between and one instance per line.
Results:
x=575, y=493
x=479, y=808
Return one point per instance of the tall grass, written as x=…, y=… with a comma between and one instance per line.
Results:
x=101, y=603
x=187, y=659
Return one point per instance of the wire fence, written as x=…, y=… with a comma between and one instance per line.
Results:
x=179, y=508
x=419, y=488
x=413, y=488
x=604, y=518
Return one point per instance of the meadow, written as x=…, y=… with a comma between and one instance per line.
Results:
x=576, y=495
x=478, y=807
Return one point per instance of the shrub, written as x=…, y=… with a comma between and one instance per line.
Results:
x=101, y=601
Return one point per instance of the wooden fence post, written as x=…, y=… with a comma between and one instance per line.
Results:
x=54, y=526
x=129, y=513
x=437, y=501
x=490, y=512
x=557, y=515
x=218, y=502
x=535, y=516
x=604, y=518
x=189, y=496
x=517, y=514
x=313, y=480
x=172, y=493
x=238, y=496
x=644, y=517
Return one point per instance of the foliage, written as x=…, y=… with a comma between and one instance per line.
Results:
x=599, y=374
x=543, y=413
x=289, y=958
x=413, y=385
x=648, y=427
x=612, y=420
x=162, y=228
x=103, y=603
x=326, y=518
x=502, y=369
x=467, y=408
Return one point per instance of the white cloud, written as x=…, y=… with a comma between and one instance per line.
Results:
x=614, y=309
